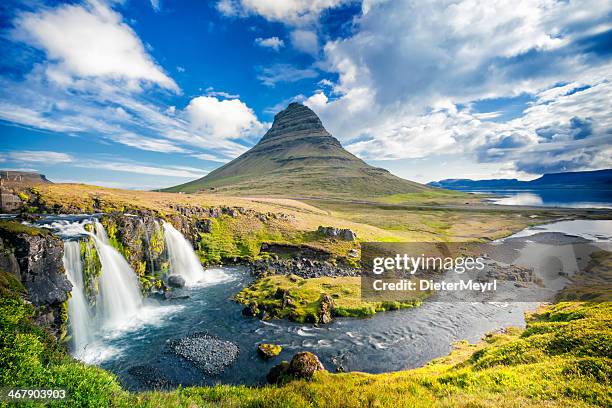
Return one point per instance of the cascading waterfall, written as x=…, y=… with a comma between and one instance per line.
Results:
x=183, y=259
x=119, y=296
x=79, y=315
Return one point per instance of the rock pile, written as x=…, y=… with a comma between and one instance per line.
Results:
x=210, y=354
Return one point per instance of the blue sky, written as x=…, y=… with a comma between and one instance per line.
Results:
x=147, y=94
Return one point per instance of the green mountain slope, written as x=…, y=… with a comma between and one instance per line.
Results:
x=297, y=157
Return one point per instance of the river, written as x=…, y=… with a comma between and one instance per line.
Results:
x=388, y=341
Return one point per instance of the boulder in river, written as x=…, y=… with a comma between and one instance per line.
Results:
x=267, y=350
x=303, y=365
x=176, y=281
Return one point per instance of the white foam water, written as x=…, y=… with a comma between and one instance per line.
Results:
x=185, y=262
x=79, y=316
x=119, y=297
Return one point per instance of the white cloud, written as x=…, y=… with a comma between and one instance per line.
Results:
x=305, y=41
x=153, y=144
x=287, y=11
x=127, y=167
x=210, y=91
x=276, y=73
x=274, y=43
x=222, y=119
x=409, y=67
x=156, y=5
x=39, y=156
x=89, y=41
x=209, y=157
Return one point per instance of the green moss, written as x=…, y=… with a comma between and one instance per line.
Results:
x=304, y=298
x=14, y=227
x=92, y=268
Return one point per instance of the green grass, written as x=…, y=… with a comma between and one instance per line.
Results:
x=305, y=298
x=13, y=227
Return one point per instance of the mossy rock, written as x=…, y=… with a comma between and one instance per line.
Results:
x=267, y=350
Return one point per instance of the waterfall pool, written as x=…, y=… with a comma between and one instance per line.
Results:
x=138, y=351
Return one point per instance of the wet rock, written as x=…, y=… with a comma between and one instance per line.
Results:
x=210, y=354
x=250, y=310
x=176, y=281
x=267, y=350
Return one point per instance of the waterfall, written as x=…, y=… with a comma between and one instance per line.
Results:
x=119, y=296
x=183, y=259
x=79, y=316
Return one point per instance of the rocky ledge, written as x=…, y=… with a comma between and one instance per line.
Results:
x=210, y=354
x=302, y=267
x=34, y=256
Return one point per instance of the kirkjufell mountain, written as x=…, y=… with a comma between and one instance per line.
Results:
x=297, y=157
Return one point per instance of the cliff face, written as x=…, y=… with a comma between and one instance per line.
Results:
x=298, y=157
x=35, y=257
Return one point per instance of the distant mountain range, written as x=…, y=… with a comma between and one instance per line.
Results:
x=597, y=179
x=297, y=157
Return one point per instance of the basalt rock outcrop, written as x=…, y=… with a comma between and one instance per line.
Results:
x=298, y=157
x=35, y=257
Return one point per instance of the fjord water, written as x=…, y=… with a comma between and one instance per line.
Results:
x=79, y=316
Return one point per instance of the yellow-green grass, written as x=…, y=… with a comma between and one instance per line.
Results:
x=371, y=221
x=306, y=295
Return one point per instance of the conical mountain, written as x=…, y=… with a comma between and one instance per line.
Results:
x=297, y=157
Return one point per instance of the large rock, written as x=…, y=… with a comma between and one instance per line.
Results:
x=339, y=233
x=35, y=257
x=327, y=309
x=176, y=281
x=303, y=365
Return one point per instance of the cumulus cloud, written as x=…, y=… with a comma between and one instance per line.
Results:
x=274, y=43
x=89, y=41
x=408, y=75
x=222, y=119
x=94, y=81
